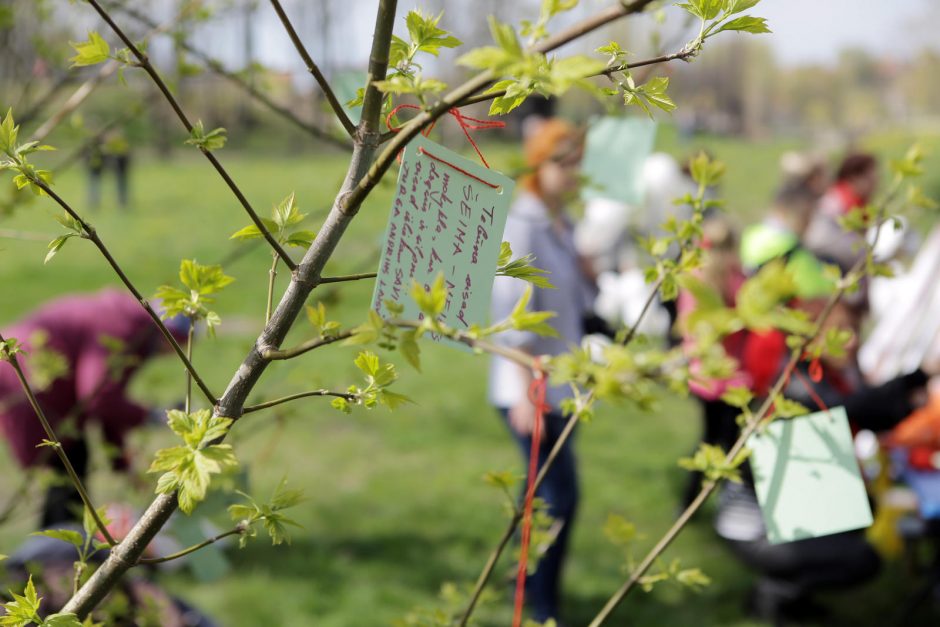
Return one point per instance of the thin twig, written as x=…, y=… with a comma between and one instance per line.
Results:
x=57, y=445
x=293, y=397
x=144, y=62
x=289, y=353
x=348, y=277
x=189, y=356
x=315, y=70
x=92, y=235
x=159, y=560
x=272, y=274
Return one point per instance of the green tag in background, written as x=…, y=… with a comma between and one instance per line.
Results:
x=448, y=217
x=807, y=479
x=615, y=151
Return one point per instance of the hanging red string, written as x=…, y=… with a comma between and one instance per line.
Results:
x=809, y=387
x=466, y=123
x=537, y=397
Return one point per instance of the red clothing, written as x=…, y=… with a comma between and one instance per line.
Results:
x=75, y=325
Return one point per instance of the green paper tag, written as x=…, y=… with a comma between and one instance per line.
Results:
x=447, y=217
x=807, y=478
x=615, y=151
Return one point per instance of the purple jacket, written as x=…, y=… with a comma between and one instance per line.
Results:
x=93, y=388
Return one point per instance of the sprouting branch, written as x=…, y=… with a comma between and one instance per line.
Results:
x=192, y=549
x=57, y=445
x=92, y=234
x=686, y=53
x=312, y=67
x=512, y=354
x=144, y=62
x=348, y=277
x=293, y=397
x=218, y=68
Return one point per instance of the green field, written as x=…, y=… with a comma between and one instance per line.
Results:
x=396, y=503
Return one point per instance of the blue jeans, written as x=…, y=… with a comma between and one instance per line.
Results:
x=560, y=492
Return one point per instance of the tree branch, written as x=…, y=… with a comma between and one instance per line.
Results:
x=92, y=235
x=144, y=62
x=57, y=445
x=218, y=68
x=315, y=70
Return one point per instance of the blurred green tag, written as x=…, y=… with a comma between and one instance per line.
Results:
x=807, y=478
x=447, y=217
x=615, y=151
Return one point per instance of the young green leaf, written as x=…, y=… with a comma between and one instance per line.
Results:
x=746, y=24
x=213, y=140
x=90, y=52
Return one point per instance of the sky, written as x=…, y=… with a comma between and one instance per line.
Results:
x=804, y=31
x=814, y=31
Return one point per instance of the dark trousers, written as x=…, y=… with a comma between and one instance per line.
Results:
x=828, y=562
x=62, y=501
x=560, y=493
x=721, y=429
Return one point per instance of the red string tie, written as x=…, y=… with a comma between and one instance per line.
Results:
x=466, y=123
x=537, y=397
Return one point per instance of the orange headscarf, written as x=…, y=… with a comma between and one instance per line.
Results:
x=550, y=139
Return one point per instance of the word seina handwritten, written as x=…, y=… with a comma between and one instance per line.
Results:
x=447, y=218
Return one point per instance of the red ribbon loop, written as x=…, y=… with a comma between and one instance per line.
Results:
x=466, y=123
x=537, y=391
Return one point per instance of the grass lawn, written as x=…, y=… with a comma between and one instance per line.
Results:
x=396, y=505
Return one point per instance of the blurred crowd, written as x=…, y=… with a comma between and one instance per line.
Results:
x=597, y=268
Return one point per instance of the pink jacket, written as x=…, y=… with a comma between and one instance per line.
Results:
x=74, y=326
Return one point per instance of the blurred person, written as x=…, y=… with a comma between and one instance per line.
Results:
x=721, y=271
x=805, y=171
x=538, y=224
x=780, y=233
x=99, y=341
x=790, y=573
x=854, y=187
x=110, y=152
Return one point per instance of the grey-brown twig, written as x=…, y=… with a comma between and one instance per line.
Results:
x=293, y=397
x=312, y=67
x=91, y=234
